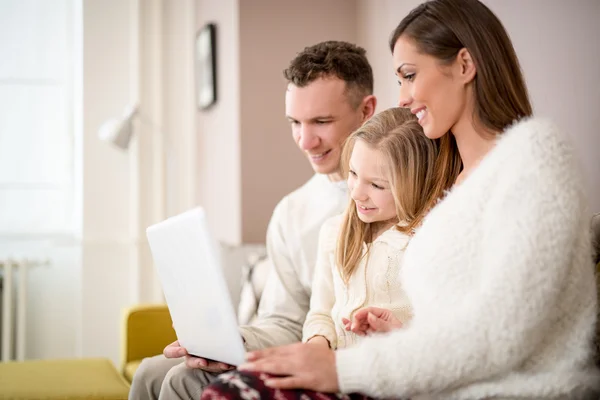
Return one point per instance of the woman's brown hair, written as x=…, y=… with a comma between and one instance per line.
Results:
x=441, y=28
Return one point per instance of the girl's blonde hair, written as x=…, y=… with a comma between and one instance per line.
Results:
x=419, y=170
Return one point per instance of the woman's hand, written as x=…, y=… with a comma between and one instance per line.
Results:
x=371, y=320
x=298, y=366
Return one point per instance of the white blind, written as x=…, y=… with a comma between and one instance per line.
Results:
x=36, y=114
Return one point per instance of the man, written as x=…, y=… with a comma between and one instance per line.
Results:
x=329, y=95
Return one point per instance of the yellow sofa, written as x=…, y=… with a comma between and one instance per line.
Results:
x=75, y=379
x=147, y=329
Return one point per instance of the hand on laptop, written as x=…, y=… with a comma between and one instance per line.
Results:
x=207, y=365
x=174, y=350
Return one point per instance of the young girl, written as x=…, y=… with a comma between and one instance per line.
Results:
x=499, y=274
x=388, y=165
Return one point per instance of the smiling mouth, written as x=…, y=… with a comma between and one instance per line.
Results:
x=365, y=208
x=317, y=157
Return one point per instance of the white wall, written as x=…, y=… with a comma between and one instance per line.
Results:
x=106, y=213
x=218, y=129
x=556, y=42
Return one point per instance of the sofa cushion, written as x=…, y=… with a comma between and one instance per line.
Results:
x=130, y=368
x=62, y=379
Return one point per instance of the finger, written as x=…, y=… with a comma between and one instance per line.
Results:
x=172, y=351
x=377, y=324
x=363, y=313
x=196, y=362
x=347, y=323
x=269, y=366
x=288, y=382
x=224, y=367
x=205, y=365
x=359, y=319
x=360, y=328
x=360, y=332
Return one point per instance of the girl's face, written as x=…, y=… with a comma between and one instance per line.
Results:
x=369, y=185
x=437, y=94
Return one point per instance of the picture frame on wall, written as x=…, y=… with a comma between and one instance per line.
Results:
x=206, y=66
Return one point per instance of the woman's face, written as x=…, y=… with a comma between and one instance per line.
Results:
x=436, y=93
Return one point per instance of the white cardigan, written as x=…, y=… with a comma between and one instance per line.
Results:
x=501, y=282
x=374, y=282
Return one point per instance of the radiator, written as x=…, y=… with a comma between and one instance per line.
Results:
x=14, y=300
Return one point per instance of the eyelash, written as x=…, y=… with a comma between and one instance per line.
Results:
x=408, y=77
x=316, y=122
x=372, y=184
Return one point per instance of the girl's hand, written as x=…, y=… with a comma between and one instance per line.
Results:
x=347, y=323
x=371, y=320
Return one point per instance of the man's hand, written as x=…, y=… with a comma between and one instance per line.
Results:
x=371, y=320
x=174, y=350
x=298, y=366
x=207, y=365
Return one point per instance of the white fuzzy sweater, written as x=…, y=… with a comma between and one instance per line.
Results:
x=374, y=282
x=501, y=283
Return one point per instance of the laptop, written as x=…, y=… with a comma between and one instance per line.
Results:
x=189, y=268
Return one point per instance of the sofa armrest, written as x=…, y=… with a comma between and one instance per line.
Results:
x=147, y=329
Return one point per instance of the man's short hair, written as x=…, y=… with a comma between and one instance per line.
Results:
x=341, y=60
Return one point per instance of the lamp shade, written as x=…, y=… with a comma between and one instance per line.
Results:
x=119, y=131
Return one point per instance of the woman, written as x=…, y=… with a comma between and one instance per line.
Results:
x=499, y=274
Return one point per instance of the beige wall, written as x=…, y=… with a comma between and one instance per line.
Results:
x=556, y=42
x=219, y=160
x=272, y=32
x=247, y=160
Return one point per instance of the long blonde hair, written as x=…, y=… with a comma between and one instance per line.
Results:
x=419, y=171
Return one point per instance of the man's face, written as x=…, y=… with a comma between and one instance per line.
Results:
x=322, y=118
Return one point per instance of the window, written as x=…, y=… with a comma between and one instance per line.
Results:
x=36, y=117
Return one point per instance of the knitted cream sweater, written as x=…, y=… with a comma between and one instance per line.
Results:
x=375, y=282
x=501, y=282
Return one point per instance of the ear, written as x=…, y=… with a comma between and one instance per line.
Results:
x=466, y=65
x=368, y=107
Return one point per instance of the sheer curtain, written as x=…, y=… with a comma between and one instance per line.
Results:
x=36, y=118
